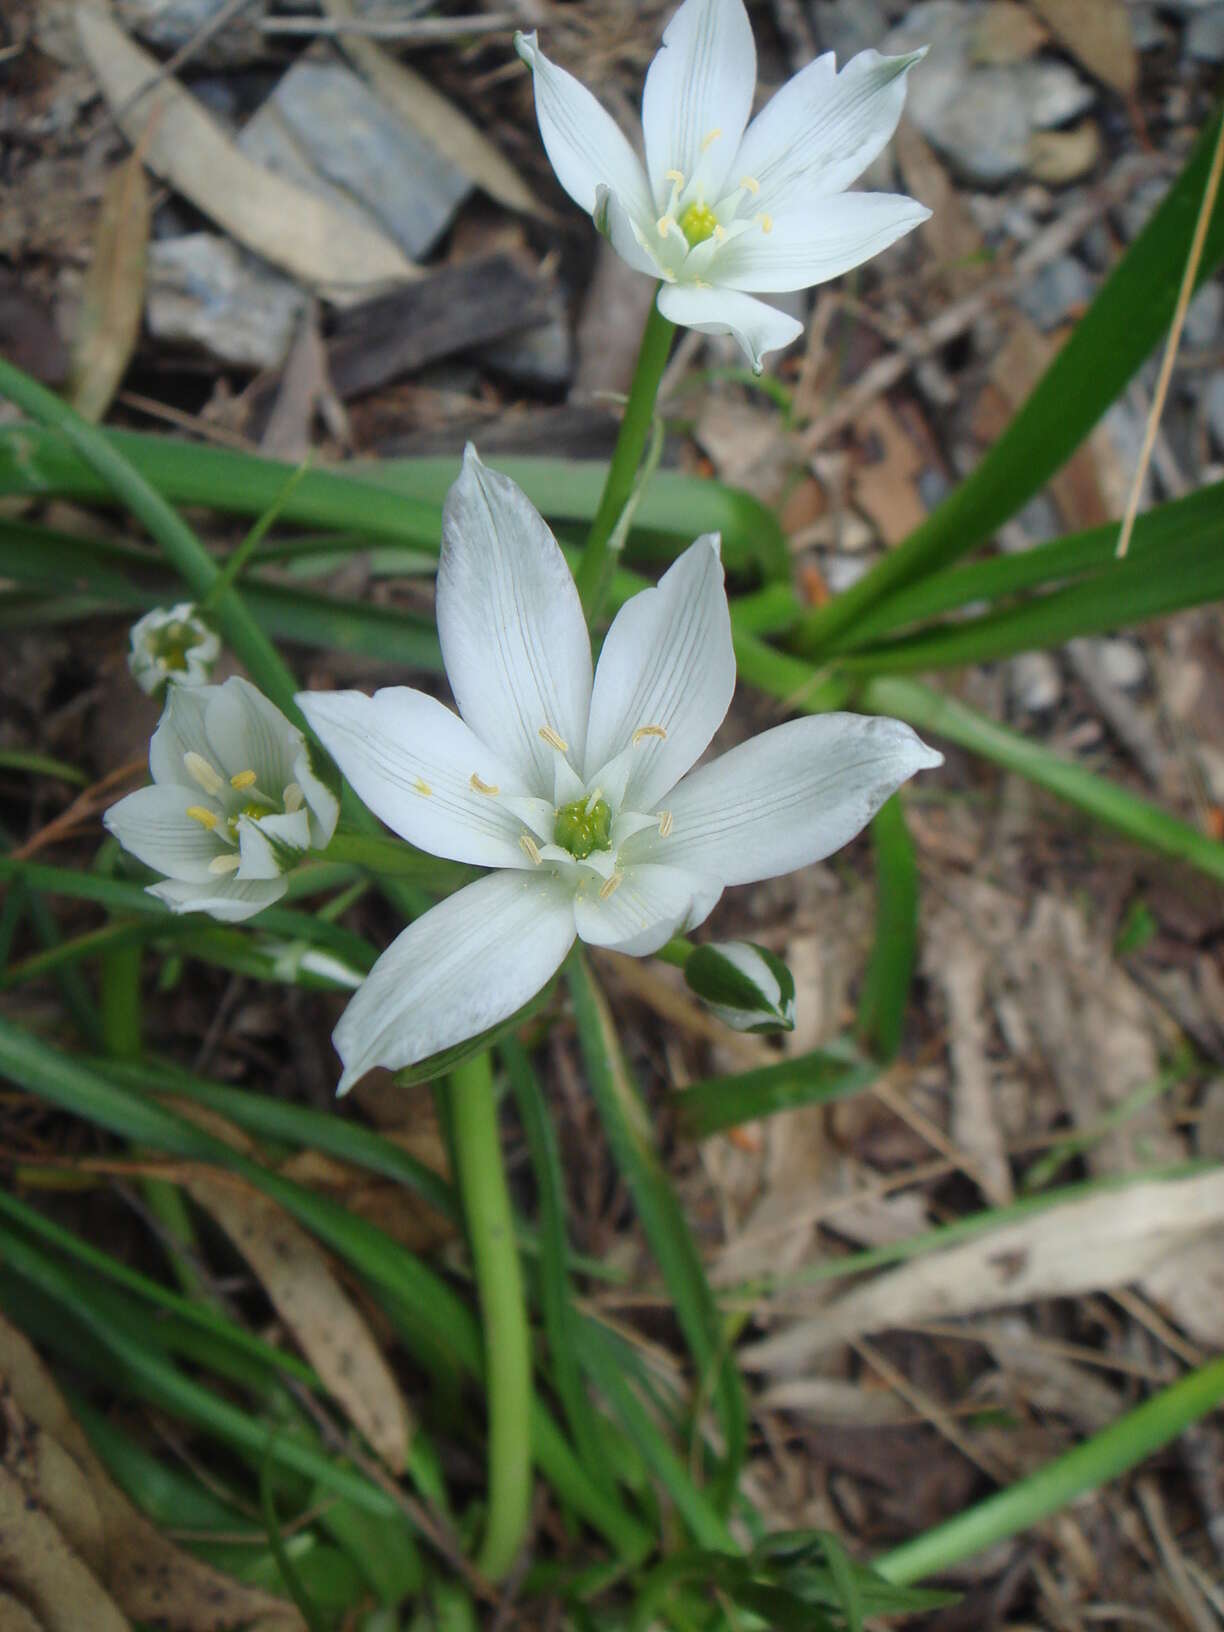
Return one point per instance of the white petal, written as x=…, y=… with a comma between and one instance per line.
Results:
x=226, y=899
x=635, y=244
x=154, y=826
x=667, y=663
x=411, y=761
x=651, y=904
x=321, y=802
x=181, y=731
x=698, y=96
x=822, y=129
x=513, y=636
x=262, y=844
x=759, y=328
x=467, y=964
x=586, y=147
x=818, y=243
x=784, y=799
x=248, y=733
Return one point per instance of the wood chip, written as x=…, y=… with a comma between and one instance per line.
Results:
x=185, y=146
x=450, y=310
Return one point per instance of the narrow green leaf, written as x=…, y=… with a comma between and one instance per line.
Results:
x=1131, y=311
x=1192, y=522
x=817, y=1078
x=629, y=1134
x=886, y=984
x=1139, y=819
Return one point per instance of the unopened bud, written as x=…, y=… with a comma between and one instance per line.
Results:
x=747, y=987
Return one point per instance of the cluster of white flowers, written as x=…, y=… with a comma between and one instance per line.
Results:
x=574, y=783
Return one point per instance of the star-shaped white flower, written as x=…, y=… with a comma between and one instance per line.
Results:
x=172, y=646
x=235, y=801
x=722, y=212
x=574, y=786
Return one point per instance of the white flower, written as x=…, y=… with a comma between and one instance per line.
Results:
x=234, y=802
x=571, y=786
x=721, y=212
x=173, y=646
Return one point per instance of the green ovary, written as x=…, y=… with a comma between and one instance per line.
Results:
x=583, y=826
x=698, y=223
x=171, y=645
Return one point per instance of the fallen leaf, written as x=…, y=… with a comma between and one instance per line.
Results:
x=1061, y=156
x=1004, y=33
x=42, y=1569
x=147, y=1576
x=298, y=1278
x=884, y=487
x=112, y=300
x=1098, y=33
x=185, y=146
x=1110, y=1239
x=438, y=120
x=949, y=232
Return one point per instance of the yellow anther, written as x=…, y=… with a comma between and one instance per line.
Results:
x=674, y=175
x=293, y=798
x=644, y=731
x=711, y=138
x=665, y=223
x=489, y=788
x=611, y=884
x=242, y=779
x=206, y=818
x=530, y=847
x=751, y=183
x=201, y=772
x=228, y=863
x=423, y=787
x=700, y=283
x=665, y=823
x=766, y=222
x=554, y=739
x=720, y=234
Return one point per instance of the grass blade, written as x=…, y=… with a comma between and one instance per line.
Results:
x=886, y=984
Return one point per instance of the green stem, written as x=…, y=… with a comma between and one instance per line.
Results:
x=1089, y=1466
x=499, y=1285
x=595, y=567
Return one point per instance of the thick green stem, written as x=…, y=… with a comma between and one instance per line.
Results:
x=595, y=568
x=499, y=1286
x=1088, y=1467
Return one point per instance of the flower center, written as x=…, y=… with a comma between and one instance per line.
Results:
x=171, y=644
x=583, y=826
x=698, y=223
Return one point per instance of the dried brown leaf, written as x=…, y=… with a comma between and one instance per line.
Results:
x=42, y=1569
x=185, y=146
x=414, y=99
x=53, y=1480
x=15, y=1617
x=112, y=300
x=299, y=1280
x=1106, y=1240
x=1098, y=33
x=149, y=1577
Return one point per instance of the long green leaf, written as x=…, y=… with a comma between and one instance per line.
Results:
x=627, y=1128
x=1131, y=311
x=816, y=1078
x=1138, y=818
x=1193, y=522
x=1129, y=593
x=886, y=984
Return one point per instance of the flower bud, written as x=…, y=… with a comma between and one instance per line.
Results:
x=746, y=986
x=172, y=646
